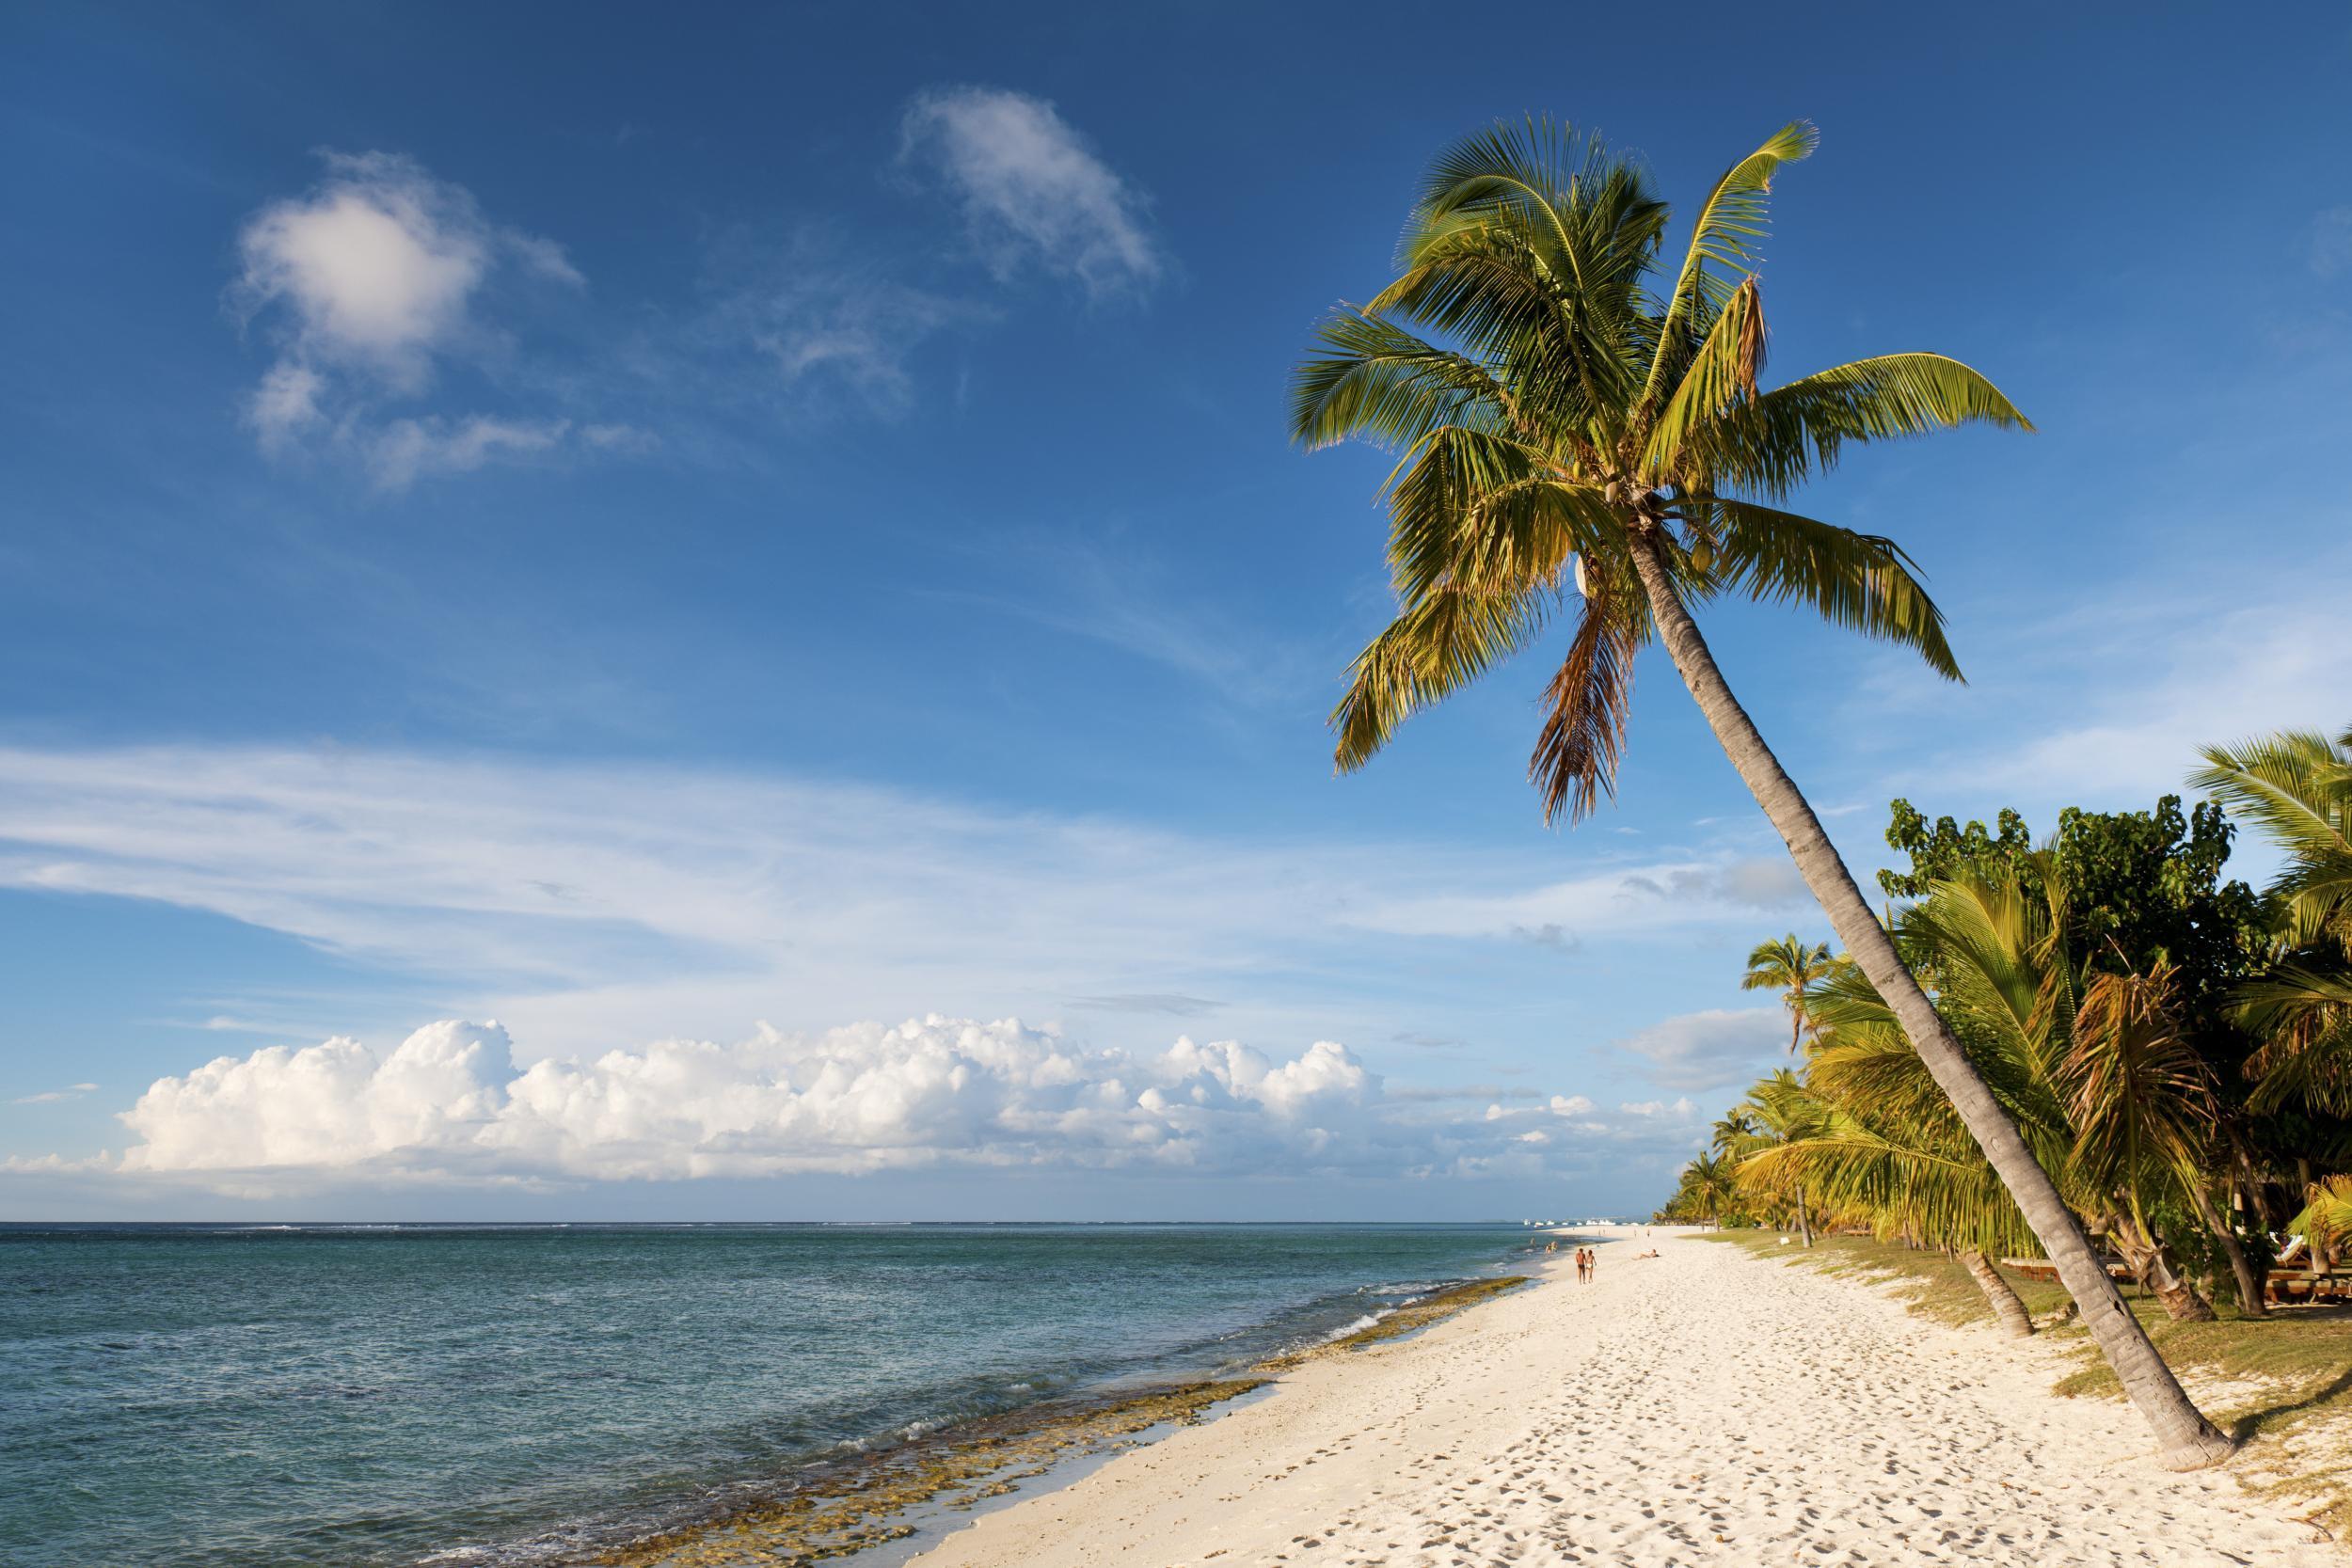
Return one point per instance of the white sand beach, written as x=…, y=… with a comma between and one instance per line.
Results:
x=1704, y=1406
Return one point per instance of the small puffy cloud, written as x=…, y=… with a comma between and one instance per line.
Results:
x=369, y=281
x=376, y=264
x=1710, y=1049
x=1034, y=194
x=449, y=1104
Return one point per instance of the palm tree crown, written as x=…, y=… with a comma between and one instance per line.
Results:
x=1790, y=967
x=1553, y=393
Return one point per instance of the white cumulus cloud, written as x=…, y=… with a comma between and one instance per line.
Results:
x=449, y=1104
x=1034, y=194
x=584, y=903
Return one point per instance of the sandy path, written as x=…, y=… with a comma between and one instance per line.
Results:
x=1702, y=1407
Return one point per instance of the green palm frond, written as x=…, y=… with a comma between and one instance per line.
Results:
x=1453, y=478
x=1774, y=441
x=2302, y=1013
x=1425, y=654
x=2141, y=1099
x=2297, y=786
x=1857, y=581
x=1729, y=229
x=1721, y=374
x=1382, y=383
x=1946, y=1194
x=2327, y=1216
x=1485, y=283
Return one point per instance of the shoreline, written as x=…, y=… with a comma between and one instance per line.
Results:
x=878, y=1506
x=1704, y=1406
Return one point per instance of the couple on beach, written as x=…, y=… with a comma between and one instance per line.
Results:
x=1585, y=1261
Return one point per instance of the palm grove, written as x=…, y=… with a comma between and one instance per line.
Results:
x=1583, y=435
x=2176, y=1048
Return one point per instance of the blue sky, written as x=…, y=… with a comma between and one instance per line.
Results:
x=714, y=543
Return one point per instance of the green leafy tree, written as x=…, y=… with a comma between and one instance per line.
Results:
x=1584, y=430
x=2142, y=887
x=1949, y=850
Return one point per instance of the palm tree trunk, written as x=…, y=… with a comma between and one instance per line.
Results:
x=2188, y=1440
x=1998, y=1294
x=1805, y=1219
x=2144, y=1251
x=2250, y=1283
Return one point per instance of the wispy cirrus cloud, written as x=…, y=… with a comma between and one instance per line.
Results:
x=1120, y=598
x=2107, y=703
x=1621, y=898
x=1035, y=194
x=52, y=1097
x=585, y=903
x=827, y=319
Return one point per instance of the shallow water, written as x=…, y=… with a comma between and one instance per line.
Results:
x=364, y=1396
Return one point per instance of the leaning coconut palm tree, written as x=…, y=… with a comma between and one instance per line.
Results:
x=1570, y=417
x=1788, y=966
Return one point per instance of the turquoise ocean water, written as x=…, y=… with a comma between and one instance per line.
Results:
x=359, y=1396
